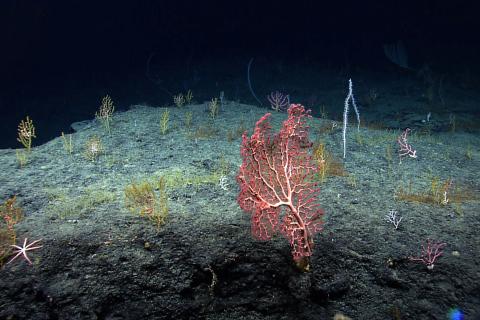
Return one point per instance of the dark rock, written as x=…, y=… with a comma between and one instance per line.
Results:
x=325, y=289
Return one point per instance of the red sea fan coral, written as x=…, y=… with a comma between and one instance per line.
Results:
x=276, y=182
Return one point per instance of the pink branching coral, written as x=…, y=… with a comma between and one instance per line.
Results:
x=276, y=179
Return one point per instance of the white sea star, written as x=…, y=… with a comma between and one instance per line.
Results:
x=23, y=250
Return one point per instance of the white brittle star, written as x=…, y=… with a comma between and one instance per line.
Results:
x=23, y=250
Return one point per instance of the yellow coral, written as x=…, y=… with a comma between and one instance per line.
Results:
x=141, y=199
x=164, y=121
x=10, y=215
x=104, y=114
x=26, y=132
x=93, y=148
